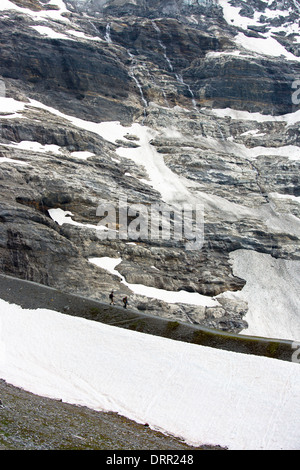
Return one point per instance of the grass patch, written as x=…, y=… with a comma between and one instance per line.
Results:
x=171, y=326
x=137, y=325
x=272, y=349
x=94, y=311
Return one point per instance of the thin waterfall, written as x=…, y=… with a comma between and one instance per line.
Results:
x=107, y=36
x=162, y=45
x=178, y=76
x=132, y=74
x=165, y=55
x=180, y=80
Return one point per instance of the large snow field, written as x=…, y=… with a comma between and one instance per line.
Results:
x=272, y=292
x=200, y=394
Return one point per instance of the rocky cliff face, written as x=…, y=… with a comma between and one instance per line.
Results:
x=156, y=102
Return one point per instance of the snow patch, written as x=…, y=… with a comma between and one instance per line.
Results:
x=12, y=161
x=35, y=147
x=82, y=35
x=233, y=17
x=50, y=33
x=65, y=217
x=266, y=46
x=290, y=119
x=170, y=185
x=11, y=106
x=82, y=155
x=285, y=196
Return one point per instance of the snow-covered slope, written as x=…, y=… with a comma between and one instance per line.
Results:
x=202, y=395
x=273, y=312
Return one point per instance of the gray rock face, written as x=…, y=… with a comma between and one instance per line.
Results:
x=177, y=71
x=55, y=69
x=153, y=8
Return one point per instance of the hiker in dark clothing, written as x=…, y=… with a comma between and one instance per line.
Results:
x=111, y=296
x=125, y=302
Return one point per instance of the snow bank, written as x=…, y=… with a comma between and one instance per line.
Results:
x=200, y=394
x=266, y=46
x=35, y=147
x=167, y=183
x=81, y=35
x=272, y=292
x=82, y=155
x=285, y=196
x=65, y=217
x=50, y=33
x=290, y=119
x=233, y=17
x=10, y=106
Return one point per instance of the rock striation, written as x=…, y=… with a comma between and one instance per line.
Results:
x=201, y=108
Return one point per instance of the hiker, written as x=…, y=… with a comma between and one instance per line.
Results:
x=125, y=302
x=111, y=296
